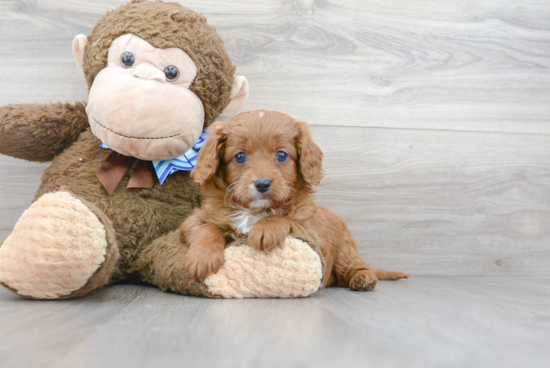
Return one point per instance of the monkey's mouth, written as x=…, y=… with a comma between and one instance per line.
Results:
x=128, y=136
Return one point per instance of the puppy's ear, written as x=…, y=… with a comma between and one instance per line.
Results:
x=209, y=155
x=310, y=156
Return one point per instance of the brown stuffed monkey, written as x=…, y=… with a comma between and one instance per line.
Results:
x=106, y=212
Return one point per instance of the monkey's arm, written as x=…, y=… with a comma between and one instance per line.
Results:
x=38, y=132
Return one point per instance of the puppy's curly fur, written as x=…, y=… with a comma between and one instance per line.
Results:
x=256, y=172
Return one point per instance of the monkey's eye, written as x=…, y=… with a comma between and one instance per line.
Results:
x=240, y=157
x=128, y=59
x=171, y=73
x=282, y=156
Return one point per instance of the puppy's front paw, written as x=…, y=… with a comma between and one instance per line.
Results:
x=268, y=234
x=363, y=281
x=201, y=262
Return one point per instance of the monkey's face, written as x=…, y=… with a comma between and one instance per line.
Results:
x=140, y=105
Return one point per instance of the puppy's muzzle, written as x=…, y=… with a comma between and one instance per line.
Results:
x=262, y=185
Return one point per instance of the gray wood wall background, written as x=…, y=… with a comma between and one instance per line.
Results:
x=434, y=116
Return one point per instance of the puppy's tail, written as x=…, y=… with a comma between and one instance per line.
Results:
x=389, y=275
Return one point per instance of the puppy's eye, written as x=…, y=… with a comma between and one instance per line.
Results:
x=240, y=157
x=171, y=72
x=128, y=59
x=282, y=156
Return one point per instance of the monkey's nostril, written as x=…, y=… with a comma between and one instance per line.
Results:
x=262, y=185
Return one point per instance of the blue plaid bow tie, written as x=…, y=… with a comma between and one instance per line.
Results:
x=185, y=162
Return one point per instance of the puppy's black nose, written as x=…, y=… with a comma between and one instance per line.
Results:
x=262, y=185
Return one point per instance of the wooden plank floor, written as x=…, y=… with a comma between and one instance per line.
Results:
x=421, y=322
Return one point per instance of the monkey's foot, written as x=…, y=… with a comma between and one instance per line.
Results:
x=61, y=247
x=292, y=270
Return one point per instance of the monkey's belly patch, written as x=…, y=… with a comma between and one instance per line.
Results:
x=293, y=270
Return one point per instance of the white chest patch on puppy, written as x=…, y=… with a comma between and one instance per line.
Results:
x=243, y=221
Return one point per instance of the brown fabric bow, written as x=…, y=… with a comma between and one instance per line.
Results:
x=114, y=168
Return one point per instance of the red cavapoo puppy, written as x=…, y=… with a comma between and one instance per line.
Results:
x=256, y=172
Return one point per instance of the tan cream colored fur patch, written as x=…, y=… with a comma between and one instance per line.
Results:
x=54, y=249
x=294, y=270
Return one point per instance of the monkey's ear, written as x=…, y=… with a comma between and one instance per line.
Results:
x=239, y=94
x=79, y=43
x=209, y=155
